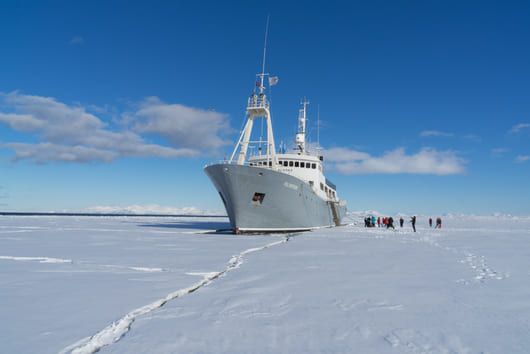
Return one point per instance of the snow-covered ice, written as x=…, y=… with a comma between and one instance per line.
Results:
x=164, y=285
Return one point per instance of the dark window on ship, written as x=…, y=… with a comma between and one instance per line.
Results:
x=321, y=186
x=308, y=165
x=290, y=163
x=270, y=163
x=296, y=164
x=302, y=164
x=311, y=183
x=257, y=198
x=285, y=163
x=314, y=166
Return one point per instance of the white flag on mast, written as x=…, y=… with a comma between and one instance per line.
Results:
x=273, y=80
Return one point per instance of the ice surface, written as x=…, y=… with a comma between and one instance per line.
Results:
x=148, y=285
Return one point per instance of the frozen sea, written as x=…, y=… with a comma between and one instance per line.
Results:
x=164, y=285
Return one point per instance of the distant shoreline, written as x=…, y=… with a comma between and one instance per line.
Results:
x=16, y=213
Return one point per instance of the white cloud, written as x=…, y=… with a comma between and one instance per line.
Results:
x=181, y=125
x=522, y=158
x=339, y=154
x=47, y=152
x=472, y=137
x=427, y=133
x=21, y=122
x=499, y=151
x=146, y=209
x=77, y=40
x=72, y=134
x=426, y=161
x=518, y=127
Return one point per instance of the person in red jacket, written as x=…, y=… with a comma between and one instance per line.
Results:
x=378, y=221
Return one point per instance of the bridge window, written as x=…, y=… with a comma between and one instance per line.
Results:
x=302, y=164
x=285, y=163
x=308, y=165
x=296, y=164
x=321, y=186
x=314, y=166
x=290, y=164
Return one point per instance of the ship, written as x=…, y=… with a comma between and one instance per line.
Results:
x=270, y=190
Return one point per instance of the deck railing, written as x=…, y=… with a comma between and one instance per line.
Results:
x=258, y=102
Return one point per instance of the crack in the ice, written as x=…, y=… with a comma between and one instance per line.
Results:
x=116, y=330
x=36, y=259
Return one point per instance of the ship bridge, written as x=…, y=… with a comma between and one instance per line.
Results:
x=308, y=168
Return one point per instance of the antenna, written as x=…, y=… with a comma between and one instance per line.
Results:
x=318, y=126
x=262, y=75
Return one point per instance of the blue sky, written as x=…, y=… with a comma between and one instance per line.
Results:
x=424, y=104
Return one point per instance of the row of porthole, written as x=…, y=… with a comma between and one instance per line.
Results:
x=300, y=164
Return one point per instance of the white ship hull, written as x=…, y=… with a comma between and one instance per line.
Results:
x=284, y=203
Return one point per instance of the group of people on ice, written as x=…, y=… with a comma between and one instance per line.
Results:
x=438, y=223
x=388, y=222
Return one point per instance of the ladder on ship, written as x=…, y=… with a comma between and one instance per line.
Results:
x=334, y=212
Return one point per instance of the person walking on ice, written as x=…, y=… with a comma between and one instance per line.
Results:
x=413, y=222
x=438, y=223
x=401, y=221
x=390, y=223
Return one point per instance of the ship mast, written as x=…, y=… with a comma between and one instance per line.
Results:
x=302, y=119
x=257, y=107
